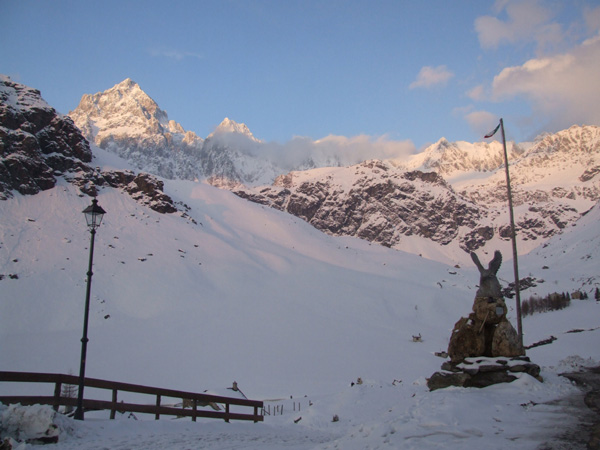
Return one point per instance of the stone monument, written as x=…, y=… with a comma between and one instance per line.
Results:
x=486, y=331
x=484, y=347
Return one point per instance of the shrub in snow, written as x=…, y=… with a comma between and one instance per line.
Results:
x=28, y=423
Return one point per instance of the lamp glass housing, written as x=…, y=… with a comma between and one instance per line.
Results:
x=94, y=214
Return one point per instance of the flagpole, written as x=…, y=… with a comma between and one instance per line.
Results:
x=513, y=236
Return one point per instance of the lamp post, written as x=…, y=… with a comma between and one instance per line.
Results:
x=93, y=217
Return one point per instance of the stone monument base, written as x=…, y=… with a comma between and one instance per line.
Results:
x=482, y=371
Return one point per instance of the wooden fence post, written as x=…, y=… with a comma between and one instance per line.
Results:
x=195, y=406
x=114, y=405
x=157, y=416
x=57, y=391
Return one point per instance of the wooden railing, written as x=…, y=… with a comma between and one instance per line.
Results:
x=194, y=399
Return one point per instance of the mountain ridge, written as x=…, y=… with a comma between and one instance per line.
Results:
x=555, y=179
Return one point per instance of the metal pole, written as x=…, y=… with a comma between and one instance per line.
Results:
x=513, y=235
x=84, y=339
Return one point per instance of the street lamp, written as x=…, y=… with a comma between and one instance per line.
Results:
x=93, y=217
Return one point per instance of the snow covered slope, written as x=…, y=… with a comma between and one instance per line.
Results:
x=225, y=290
x=247, y=292
x=232, y=290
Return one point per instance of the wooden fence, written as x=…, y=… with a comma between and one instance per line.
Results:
x=194, y=399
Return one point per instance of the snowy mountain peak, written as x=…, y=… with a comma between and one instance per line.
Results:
x=231, y=126
x=576, y=139
x=450, y=158
x=124, y=109
x=442, y=143
x=126, y=121
x=127, y=83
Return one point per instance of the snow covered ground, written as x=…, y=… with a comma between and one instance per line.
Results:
x=378, y=414
x=237, y=291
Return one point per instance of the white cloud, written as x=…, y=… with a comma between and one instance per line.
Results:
x=481, y=122
x=477, y=93
x=431, y=76
x=360, y=148
x=563, y=88
x=330, y=150
x=592, y=19
x=171, y=53
x=527, y=21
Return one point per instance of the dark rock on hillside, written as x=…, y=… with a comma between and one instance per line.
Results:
x=377, y=202
x=143, y=187
x=37, y=145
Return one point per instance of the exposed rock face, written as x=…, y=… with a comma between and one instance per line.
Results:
x=36, y=143
x=373, y=201
x=144, y=188
x=545, y=199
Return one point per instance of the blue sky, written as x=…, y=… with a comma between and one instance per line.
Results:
x=399, y=70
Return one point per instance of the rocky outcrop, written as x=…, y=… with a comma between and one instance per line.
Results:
x=144, y=188
x=36, y=143
x=373, y=201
